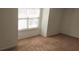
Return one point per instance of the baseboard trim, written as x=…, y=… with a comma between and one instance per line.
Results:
x=9, y=48
x=63, y=34
x=69, y=35
x=53, y=35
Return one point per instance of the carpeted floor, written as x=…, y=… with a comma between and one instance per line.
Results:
x=53, y=43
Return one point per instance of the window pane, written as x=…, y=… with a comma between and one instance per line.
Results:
x=22, y=24
x=22, y=13
x=33, y=23
x=33, y=12
x=28, y=12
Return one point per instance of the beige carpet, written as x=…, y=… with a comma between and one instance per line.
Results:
x=54, y=43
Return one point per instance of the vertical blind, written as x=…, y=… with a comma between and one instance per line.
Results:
x=28, y=18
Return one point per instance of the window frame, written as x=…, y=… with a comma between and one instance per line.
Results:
x=27, y=18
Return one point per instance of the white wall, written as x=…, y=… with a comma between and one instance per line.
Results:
x=55, y=17
x=8, y=24
x=64, y=21
x=70, y=22
x=44, y=22
x=28, y=33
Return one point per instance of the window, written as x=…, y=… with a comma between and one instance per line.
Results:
x=28, y=18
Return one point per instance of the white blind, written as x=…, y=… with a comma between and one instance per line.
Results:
x=28, y=12
x=28, y=18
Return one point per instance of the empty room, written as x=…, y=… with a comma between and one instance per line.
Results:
x=39, y=29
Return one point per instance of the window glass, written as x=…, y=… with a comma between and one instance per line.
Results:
x=22, y=24
x=28, y=18
x=33, y=23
